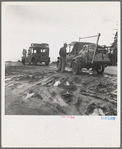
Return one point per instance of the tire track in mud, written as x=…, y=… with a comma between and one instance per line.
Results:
x=75, y=95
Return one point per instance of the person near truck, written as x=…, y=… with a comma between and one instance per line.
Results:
x=29, y=55
x=24, y=52
x=85, y=53
x=62, y=60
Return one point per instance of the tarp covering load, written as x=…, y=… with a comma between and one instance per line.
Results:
x=79, y=45
x=39, y=45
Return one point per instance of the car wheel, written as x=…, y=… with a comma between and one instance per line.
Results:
x=100, y=69
x=23, y=61
x=75, y=68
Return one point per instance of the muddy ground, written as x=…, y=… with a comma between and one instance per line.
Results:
x=40, y=90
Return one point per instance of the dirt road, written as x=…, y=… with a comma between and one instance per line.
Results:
x=40, y=90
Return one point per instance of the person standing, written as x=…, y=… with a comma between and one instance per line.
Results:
x=62, y=60
x=29, y=55
x=24, y=52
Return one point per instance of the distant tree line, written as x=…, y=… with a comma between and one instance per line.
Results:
x=114, y=50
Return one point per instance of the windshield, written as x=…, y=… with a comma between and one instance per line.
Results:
x=70, y=48
x=39, y=50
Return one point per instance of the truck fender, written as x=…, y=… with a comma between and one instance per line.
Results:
x=78, y=60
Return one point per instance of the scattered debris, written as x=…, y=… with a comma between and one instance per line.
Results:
x=37, y=95
x=57, y=83
x=114, y=92
x=21, y=86
x=106, y=76
x=68, y=69
x=97, y=112
x=67, y=97
x=67, y=83
x=29, y=96
x=8, y=79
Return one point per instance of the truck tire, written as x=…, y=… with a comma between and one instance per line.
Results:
x=100, y=69
x=46, y=63
x=23, y=61
x=75, y=68
x=34, y=61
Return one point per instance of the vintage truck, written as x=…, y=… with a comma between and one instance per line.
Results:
x=36, y=53
x=86, y=55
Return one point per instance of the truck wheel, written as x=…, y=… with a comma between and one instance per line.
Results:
x=100, y=69
x=23, y=61
x=46, y=63
x=34, y=61
x=75, y=68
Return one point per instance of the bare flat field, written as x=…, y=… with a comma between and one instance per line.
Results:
x=40, y=90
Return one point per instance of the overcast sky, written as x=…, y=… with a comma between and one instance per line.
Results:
x=54, y=23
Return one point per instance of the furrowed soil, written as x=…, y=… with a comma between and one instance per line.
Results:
x=40, y=90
